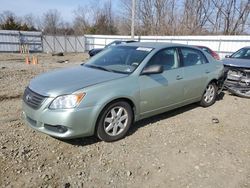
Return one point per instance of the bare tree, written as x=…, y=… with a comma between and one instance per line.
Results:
x=51, y=22
x=152, y=17
x=123, y=18
x=242, y=17
x=30, y=21
x=82, y=19
x=5, y=15
x=231, y=16
x=9, y=21
x=195, y=16
x=146, y=16
x=182, y=17
x=104, y=20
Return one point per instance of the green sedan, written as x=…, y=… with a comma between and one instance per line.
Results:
x=119, y=86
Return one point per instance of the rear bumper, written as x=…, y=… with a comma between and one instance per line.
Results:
x=66, y=124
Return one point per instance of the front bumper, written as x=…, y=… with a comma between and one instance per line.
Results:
x=66, y=124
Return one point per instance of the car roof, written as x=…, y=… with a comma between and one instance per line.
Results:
x=200, y=46
x=126, y=41
x=155, y=45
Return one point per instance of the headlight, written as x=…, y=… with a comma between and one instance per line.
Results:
x=67, y=101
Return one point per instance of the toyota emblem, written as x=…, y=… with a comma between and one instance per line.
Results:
x=28, y=97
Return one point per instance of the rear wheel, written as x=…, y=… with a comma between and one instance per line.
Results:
x=209, y=96
x=114, y=122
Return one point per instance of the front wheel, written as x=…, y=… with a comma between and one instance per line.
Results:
x=209, y=96
x=114, y=121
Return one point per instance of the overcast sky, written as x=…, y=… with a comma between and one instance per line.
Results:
x=38, y=7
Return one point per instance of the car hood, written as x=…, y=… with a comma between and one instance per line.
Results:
x=234, y=62
x=68, y=80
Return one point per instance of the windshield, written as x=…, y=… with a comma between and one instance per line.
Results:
x=243, y=53
x=120, y=59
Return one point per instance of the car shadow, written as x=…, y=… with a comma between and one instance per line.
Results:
x=145, y=122
x=220, y=96
x=83, y=141
x=160, y=117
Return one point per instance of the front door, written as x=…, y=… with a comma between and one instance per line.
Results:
x=160, y=92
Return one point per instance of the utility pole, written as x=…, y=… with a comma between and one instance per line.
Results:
x=133, y=20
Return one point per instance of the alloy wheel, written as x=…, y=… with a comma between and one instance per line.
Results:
x=209, y=93
x=116, y=121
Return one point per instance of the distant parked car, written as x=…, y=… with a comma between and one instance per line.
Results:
x=116, y=42
x=237, y=67
x=121, y=85
x=211, y=52
x=239, y=57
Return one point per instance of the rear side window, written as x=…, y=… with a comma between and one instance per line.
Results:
x=192, y=57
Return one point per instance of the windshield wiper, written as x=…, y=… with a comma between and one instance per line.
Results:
x=98, y=67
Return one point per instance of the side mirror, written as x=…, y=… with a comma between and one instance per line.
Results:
x=152, y=69
x=227, y=56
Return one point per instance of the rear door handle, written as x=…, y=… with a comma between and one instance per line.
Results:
x=207, y=71
x=179, y=77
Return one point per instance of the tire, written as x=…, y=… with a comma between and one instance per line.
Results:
x=209, y=95
x=114, y=121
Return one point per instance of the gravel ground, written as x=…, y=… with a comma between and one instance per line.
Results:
x=188, y=147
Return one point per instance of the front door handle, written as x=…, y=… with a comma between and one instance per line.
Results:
x=179, y=77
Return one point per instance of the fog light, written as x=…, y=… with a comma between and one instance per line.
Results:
x=61, y=129
x=56, y=128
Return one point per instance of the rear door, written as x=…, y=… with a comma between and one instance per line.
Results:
x=196, y=70
x=159, y=92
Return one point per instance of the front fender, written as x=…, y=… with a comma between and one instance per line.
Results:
x=98, y=96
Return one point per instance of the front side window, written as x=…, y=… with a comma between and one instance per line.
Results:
x=192, y=57
x=120, y=59
x=168, y=58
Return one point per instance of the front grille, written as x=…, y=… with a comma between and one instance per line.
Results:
x=32, y=99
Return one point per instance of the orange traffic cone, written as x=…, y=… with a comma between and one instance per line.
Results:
x=27, y=61
x=33, y=60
